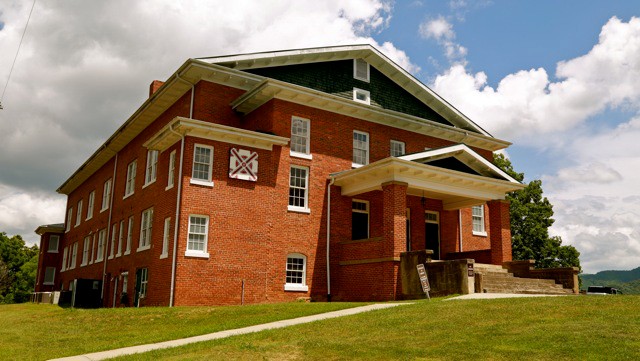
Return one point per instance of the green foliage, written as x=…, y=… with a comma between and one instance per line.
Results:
x=531, y=214
x=626, y=281
x=18, y=267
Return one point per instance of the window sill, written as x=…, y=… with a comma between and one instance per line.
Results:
x=201, y=182
x=164, y=255
x=143, y=248
x=88, y=219
x=110, y=257
x=103, y=209
x=47, y=284
x=356, y=165
x=56, y=251
x=83, y=264
x=168, y=187
x=196, y=254
x=481, y=234
x=126, y=253
x=76, y=225
x=298, y=209
x=301, y=155
x=118, y=255
x=148, y=184
x=128, y=195
x=295, y=287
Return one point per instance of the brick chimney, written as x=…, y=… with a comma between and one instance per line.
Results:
x=155, y=85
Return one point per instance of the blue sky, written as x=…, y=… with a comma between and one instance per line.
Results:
x=557, y=78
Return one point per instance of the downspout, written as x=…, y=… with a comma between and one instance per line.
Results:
x=460, y=228
x=332, y=180
x=106, y=245
x=178, y=198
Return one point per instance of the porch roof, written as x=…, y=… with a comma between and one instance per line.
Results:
x=456, y=175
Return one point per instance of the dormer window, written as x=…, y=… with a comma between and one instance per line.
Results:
x=361, y=70
x=361, y=96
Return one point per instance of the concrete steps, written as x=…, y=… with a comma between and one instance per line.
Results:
x=495, y=279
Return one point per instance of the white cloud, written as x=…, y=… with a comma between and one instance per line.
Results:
x=441, y=30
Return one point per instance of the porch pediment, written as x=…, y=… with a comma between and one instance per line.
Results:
x=456, y=175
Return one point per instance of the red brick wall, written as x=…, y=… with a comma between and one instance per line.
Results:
x=48, y=259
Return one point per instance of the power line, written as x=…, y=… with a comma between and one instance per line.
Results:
x=17, y=52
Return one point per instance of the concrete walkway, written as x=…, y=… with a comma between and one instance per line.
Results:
x=488, y=296
x=228, y=333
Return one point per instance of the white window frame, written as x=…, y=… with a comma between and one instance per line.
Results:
x=151, y=171
x=129, y=236
x=355, y=70
x=120, y=235
x=74, y=255
x=165, y=238
x=144, y=282
x=79, y=213
x=93, y=249
x=146, y=224
x=102, y=239
x=396, y=146
x=172, y=170
x=357, y=93
x=130, y=185
x=478, y=221
x=200, y=181
x=112, y=245
x=65, y=253
x=69, y=215
x=85, y=250
x=296, y=287
x=125, y=281
x=294, y=208
x=365, y=149
x=52, y=272
x=191, y=231
x=366, y=211
x=57, y=243
x=306, y=137
x=90, y=203
x=106, y=195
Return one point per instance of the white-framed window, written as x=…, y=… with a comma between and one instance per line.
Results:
x=85, y=250
x=172, y=169
x=120, y=235
x=144, y=279
x=69, y=215
x=125, y=281
x=359, y=219
x=296, y=279
x=93, y=249
x=130, y=185
x=49, y=275
x=151, y=171
x=74, y=256
x=198, y=236
x=477, y=216
x=102, y=239
x=362, y=96
x=300, y=137
x=202, y=165
x=54, y=241
x=361, y=70
x=360, y=149
x=397, y=148
x=112, y=246
x=106, y=195
x=299, y=189
x=146, y=221
x=165, y=238
x=129, y=235
x=79, y=213
x=90, y=202
x=65, y=253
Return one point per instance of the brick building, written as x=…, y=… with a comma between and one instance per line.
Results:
x=272, y=176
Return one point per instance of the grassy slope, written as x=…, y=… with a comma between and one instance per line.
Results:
x=558, y=328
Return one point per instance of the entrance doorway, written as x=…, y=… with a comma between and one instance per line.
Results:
x=432, y=233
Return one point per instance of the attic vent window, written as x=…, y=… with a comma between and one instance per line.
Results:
x=361, y=96
x=361, y=70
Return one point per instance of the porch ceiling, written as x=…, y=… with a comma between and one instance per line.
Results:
x=455, y=189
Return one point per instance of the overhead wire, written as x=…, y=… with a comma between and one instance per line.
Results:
x=17, y=52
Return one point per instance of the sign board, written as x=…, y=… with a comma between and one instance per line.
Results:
x=424, y=281
x=243, y=164
x=470, y=269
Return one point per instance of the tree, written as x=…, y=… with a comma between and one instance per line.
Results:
x=530, y=221
x=18, y=267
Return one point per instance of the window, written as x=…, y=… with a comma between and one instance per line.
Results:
x=90, y=202
x=102, y=239
x=300, y=137
x=172, y=169
x=93, y=249
x=85, y=250
x=49, y=275
x=198, y=235
x=361, y=96
x=359, y=219
x=65, y=253
x=397, y=148
x=144, y=279
x=361, y=70
x=125, y=281
x=477, y=216
x=202, y=164
x=145, y=230
x=79, y=214
x=152, y=167
x=120, y=234
x=112, y=248
x=69, y=215
x=298, y=189
x=74, y=256
x=129, y=235
x=106, y=195
x=130, y=186
x=54, y=240
x=360, y=148
x=296, y=273
x=165, y=238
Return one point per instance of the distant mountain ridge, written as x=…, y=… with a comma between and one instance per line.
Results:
x=626, y=281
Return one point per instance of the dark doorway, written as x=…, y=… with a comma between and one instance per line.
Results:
x=432, y=233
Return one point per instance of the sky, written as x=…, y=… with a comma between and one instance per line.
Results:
x=558, y=79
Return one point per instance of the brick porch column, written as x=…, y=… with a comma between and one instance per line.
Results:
x=499, y=231
x=394, y=219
